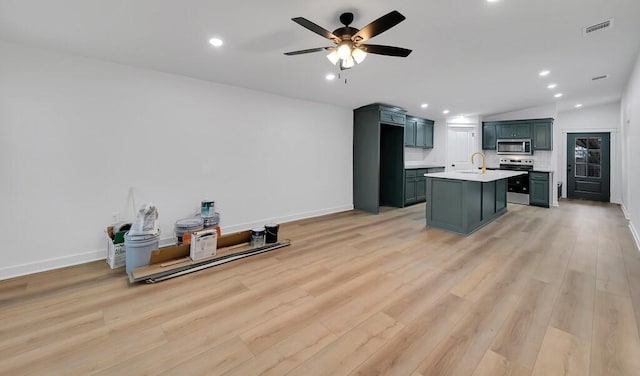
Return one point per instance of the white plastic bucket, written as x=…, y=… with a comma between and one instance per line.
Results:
x=138, y=249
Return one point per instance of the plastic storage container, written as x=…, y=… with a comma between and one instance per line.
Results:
x=138, y=249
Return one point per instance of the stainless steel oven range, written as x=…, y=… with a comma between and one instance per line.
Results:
x=517, y=186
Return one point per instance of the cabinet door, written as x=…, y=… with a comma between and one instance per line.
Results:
x=420, y=134
x=392, y=117
x=509, y=131
x=542, y=136
x=489, y=137
x=428, y=134
x=410, y=132
x=505, y=131
x=421, y=189
x=522, y=130
x=501, y=194
x=539, y=189
x=410, y=191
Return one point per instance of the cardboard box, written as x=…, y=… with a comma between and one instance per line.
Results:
x=203, y=244
x=116, y=253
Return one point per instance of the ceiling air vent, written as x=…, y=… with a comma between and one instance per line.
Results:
x=596, y=78
x=608, y=24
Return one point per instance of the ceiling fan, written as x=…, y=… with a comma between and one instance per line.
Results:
x=349, y=48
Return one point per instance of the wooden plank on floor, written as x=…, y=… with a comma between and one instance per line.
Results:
x=573, y=310
x=352, y=348
x=615, y=344
x=521, y=336
x=562, y=354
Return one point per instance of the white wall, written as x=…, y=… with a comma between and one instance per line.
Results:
x=630, y=136
x=76, y=134
x=599, y=118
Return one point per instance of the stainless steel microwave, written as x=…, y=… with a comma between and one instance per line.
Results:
x=514, y=147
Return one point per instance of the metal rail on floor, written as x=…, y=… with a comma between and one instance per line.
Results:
x=162, y=276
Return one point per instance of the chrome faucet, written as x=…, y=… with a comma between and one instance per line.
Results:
x=484, y=161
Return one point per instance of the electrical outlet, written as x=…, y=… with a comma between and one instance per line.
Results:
x=114, y=217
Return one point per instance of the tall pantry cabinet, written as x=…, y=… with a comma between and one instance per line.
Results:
x=378, y=157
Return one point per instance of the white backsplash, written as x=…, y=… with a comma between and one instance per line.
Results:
x=413, y=155
x=541, y=159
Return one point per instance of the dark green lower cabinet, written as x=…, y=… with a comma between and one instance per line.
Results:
x=464, y=206
x=410, y=191
x=539, y=189
x=421, y=189
x=415, y=184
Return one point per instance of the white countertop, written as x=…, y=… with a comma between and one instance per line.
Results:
x=476, y=175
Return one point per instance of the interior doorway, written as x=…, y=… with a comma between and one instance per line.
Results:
x=460, y=145
x=588, y=166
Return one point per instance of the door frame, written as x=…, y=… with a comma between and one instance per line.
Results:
x=614, y=156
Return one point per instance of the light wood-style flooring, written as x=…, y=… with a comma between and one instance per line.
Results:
x=538, y=292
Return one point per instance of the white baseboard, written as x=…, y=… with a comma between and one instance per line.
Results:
x=285, y=219
x=634, y=233
x=52, y=263
x=625, y=211
x=81, y=258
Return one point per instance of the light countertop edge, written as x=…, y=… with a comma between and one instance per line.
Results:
x=485, y=178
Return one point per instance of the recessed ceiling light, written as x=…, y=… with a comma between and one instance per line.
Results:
x=424, y=105
x=216, y=42
x=558, y=95
x=552, y=86
x=445, y=112
x=544, y=73
x=330, y=76
x=492, y=1
x=578, y=105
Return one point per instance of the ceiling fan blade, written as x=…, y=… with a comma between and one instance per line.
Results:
x=385, y=50
x=316, y=28
x=378, y=26
x=300, y=52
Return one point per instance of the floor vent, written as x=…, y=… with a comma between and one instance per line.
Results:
x=596, y=78
x=608, y=24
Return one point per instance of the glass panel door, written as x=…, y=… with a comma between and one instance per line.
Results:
x=588, y=166
x=587, y=157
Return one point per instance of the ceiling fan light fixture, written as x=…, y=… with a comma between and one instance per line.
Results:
x=347, y=63
x=344, y=50
x=358, y=55
x=333, y=57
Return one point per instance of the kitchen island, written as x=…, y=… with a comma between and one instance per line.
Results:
x=464, y=201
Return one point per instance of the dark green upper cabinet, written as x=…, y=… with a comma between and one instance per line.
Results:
x=543, y=134
x=428, y=135
x=392, y=116
x=418, y=133
x=540, y=131
x=507, y=131
x=410, y=132
x=489, y=136
x=421, y=141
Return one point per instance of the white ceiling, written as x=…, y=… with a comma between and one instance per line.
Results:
x=469, y=56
